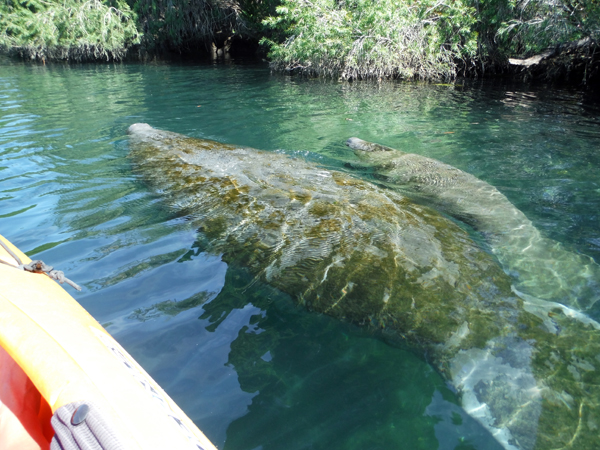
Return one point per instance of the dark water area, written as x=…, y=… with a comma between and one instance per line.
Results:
x=249, y=367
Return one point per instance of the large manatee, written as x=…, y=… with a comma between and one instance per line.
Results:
x=525, y=368
x=540, y=266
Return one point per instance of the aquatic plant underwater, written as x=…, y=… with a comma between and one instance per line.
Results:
x=525, y=367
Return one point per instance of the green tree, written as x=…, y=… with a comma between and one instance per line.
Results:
x=424, y=39
x=533, y=25
x=69, y=29
x=183, y=25
x=176, y=24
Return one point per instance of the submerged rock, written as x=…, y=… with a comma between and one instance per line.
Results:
x=540, y=266
x=526, y=369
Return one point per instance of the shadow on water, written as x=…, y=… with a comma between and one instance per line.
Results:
x=295, y=365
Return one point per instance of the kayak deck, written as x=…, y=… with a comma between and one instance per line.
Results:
x=67, y=357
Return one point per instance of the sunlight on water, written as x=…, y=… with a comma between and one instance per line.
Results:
x=250, y=368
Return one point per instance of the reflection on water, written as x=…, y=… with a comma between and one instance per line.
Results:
x=252, y=370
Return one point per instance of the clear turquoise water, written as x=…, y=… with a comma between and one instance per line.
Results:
x=251, y=369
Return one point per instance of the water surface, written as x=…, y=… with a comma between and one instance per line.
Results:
x=250, y=368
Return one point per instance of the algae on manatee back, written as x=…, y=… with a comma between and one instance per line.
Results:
x=370, y=256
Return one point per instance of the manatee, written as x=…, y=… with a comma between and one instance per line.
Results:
x=541, y=267
x=525, y=368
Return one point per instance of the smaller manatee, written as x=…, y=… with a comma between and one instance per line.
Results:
x=541, y=267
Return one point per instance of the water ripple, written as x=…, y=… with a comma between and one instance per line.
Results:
x=67, y=195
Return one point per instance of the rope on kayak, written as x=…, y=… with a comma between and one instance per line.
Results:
x=38, y=266
x=11, y=253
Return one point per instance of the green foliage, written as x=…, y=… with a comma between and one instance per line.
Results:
x=254, y=13
x=175, y=24
x=424, y=39
x=69, y=29
x=350, y=39
x=490, y=16
x=373, y=39
x=533, y=25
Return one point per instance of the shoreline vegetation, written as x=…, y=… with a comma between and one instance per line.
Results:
x=432, y=40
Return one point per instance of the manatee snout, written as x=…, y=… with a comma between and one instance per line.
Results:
x=355, y=143
x=358, y=144
x=139, y=128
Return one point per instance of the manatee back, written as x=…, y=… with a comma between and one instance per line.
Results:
x=338, y=245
